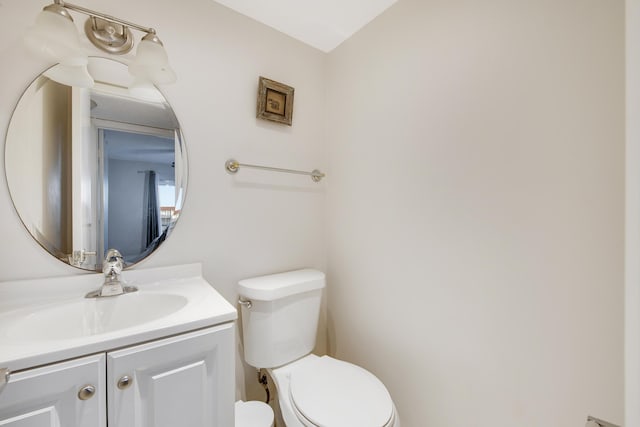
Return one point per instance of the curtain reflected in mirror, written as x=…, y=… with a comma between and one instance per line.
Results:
x=151, y=203
x=93, y=169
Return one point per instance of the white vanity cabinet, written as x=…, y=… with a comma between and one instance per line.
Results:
x=163, y=356
x=185, y=380
x=49, y=396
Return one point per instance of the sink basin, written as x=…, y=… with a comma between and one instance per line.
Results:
x=47, y=320
x=93, y=316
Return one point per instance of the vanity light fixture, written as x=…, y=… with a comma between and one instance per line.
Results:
x=54, y=36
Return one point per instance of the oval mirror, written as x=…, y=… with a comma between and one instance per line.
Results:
x=93, y=169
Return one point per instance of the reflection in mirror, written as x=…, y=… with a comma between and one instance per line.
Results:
x=93, y=169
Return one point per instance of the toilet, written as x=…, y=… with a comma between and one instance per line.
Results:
x=280, y=315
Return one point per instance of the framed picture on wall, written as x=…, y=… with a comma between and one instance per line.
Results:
x=275, y=101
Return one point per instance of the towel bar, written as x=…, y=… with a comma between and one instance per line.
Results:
x=232, y=166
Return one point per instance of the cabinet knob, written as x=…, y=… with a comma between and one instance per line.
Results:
x=125, y=382
x=86, y=392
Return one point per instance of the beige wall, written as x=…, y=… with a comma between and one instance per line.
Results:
x=475, y=201
x=251, y=224
x=632, y=252
x=475, y=188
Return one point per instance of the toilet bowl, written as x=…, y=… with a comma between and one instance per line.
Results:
x=279, y=322
x=323, y=391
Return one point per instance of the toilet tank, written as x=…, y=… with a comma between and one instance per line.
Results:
x=281, y=324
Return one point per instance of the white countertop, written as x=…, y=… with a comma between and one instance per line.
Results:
x=22, y=304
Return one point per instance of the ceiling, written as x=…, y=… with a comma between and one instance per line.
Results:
x=323, y=24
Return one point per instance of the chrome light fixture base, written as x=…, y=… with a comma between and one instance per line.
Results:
x=57, y=8
x=109, y=36
x=56, y=37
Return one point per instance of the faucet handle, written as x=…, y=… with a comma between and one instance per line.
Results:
x=113, y=254
x=113, y=263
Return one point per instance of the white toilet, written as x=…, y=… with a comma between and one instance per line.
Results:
x=279, y=322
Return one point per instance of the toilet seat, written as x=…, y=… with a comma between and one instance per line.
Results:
x=330, y=392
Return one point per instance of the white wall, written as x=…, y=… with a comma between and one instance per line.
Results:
x=632, y=252
x=237, y=226
x=476, y=202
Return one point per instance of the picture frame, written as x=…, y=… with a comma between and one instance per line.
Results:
x=275, y=101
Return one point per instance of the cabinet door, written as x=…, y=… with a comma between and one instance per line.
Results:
x=183, y=381
x=50, y=396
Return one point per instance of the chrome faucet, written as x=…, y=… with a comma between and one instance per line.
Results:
x=112, y=267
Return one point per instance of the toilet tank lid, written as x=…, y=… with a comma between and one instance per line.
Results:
x=281, y=285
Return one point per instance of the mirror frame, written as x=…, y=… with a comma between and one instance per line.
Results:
x=181, y=193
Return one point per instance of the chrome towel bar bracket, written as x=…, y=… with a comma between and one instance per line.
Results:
x=232, y=166
x=4, y=377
